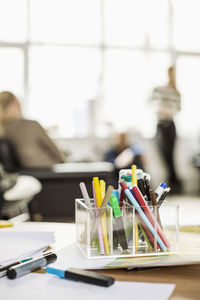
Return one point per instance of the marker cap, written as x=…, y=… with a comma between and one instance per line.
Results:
x=163, y=185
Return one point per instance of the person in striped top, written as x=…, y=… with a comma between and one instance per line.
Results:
x=167, y=103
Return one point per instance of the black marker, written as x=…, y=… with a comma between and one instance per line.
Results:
x=141, y=184
x=82, y=275
x=5, y=268
x=27, y=267
x=163, y=196
x=147, y=178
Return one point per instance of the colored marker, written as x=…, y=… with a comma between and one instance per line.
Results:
x=82, y=275
x=101, y=211
x=148, y=235
x=121, y=197
x=27, y=267
x=147, y=179
x=85, y=194
x=141, y=183
x=142, y=214
x=149, y=214
x=155, y=204
x=163, y=196
x=134, y=174
x=160, y=189
x=116, y=193
x=100, y=234
x=119, y=222
x=4, y=224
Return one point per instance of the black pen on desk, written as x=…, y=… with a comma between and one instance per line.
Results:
x=27, y=267
x=5, y=268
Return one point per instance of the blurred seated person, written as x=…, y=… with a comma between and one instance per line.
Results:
x=123, y=155
x=33, y=147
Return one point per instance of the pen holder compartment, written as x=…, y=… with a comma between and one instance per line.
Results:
x=107, y=233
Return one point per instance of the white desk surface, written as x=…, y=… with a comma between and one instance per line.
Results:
x=186, y=278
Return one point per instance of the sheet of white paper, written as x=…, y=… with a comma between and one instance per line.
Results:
x=49, y=287
x=72, y=256
x=19, y=244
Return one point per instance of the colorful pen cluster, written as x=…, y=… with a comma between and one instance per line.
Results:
x=133, y=192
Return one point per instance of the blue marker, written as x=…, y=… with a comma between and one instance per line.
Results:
x=82, y=275
x=142, y=214
x=160, y=189
x=116, y=193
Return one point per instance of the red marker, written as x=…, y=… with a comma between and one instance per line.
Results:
x=148, y=232
x=121, y=197
x=149, y=214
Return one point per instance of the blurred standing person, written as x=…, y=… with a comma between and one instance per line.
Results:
x=167, y=102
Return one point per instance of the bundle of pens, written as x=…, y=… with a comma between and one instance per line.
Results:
x=124, y=221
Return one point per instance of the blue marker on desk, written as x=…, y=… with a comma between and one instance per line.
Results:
x=82, y=275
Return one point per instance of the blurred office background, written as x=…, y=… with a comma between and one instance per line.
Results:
x=86, y=68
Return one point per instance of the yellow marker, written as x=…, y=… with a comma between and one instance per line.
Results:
x=134, y=174
x=145, y=236
x=4, y=224
x=99, y=200
x=136, y=236
x=97, y=191
x=103, y=188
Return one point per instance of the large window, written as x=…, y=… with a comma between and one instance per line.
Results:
x=59, y=55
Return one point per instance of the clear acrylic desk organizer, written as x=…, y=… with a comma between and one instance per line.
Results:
x=130, y=241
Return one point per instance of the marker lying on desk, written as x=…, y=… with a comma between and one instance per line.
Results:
x=82, y=275
x=5, y=268
x=5, y=224
x=27, y=267
x=143, y=216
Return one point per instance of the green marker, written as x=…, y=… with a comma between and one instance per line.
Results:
x=119, y=222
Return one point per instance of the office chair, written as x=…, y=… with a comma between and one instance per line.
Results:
x=16, y=191
x=15, y=200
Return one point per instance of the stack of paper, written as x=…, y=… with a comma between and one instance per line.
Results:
x=47, y=287
x=19, y=244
